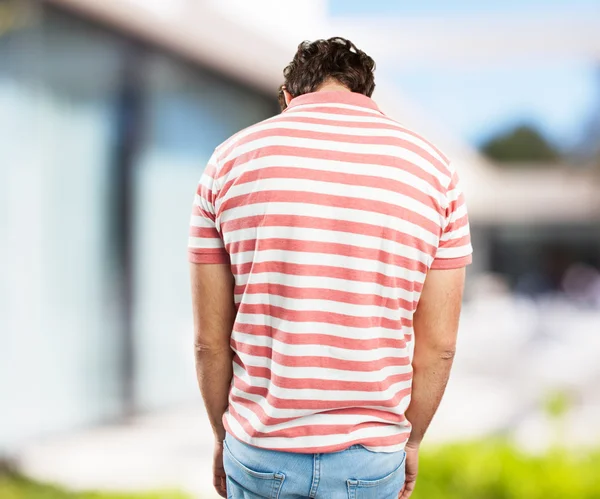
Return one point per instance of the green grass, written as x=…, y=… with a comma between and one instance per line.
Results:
x=14, y=486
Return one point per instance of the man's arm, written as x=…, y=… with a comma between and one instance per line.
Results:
x=435, y=329
x=214, y=314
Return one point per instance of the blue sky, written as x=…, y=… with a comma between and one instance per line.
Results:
x=557, y=98
x=477, y=102
x=452, y=7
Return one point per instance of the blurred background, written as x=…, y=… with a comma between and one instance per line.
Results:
x=109, y=111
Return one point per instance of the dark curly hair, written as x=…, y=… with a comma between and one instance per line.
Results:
x=333, y=59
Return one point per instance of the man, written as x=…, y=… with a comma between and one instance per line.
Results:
x=328, y=247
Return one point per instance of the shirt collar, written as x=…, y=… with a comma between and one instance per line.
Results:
x=334, y=97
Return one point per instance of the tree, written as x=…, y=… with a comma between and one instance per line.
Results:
x=588, y=150
x=522, y=144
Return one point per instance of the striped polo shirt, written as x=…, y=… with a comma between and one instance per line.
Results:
x=331, y=215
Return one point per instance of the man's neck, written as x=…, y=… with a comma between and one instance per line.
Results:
x=332, y=87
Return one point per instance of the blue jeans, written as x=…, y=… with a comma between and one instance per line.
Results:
x=354, y=473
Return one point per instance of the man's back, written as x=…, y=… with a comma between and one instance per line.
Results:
x=331, y=215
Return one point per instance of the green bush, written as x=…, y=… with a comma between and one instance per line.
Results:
x=496, y=470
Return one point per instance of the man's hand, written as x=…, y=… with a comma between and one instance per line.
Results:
x=214, y=314
x=412, y=468
x=219, y=477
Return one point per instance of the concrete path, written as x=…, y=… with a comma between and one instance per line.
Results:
x=170, y=450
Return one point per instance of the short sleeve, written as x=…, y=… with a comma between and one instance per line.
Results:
x=205, y=244
x=454, y=249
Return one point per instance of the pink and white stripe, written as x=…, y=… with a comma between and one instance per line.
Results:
x=330, y=214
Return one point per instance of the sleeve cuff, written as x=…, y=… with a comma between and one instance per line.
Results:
x=451, y=263
x=208, y=256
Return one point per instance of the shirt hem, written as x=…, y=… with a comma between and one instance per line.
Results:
x=328, y=449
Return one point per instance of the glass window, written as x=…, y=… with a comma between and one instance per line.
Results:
x=60, y=327
x=189, y=112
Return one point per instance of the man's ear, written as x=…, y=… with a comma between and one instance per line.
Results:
x=288, y=97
